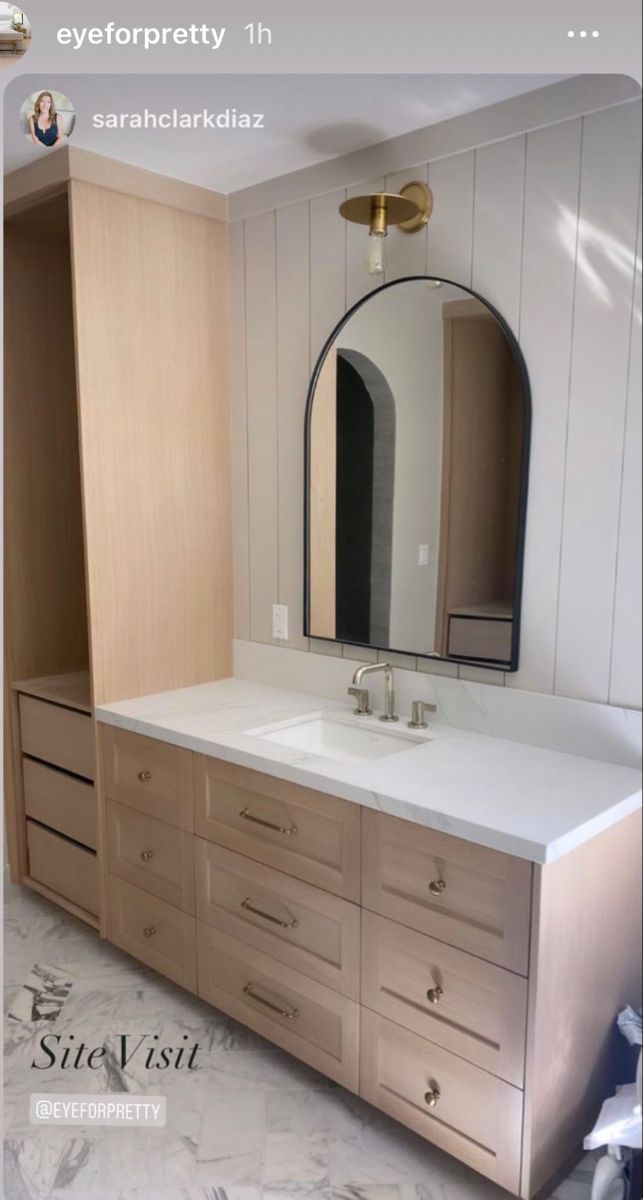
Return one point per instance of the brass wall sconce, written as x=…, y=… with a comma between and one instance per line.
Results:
x=409, y=209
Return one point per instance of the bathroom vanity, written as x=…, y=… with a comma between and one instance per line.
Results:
x=440, y=921
x=453, y=951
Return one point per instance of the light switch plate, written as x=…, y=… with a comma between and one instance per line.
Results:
x=280, y=622
x=423, y=555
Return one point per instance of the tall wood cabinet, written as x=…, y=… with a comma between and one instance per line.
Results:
x=117, y=521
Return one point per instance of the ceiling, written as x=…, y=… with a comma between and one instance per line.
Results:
x=307, y=119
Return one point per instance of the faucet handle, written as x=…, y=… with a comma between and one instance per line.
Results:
x=418, y=709
x=361, y=695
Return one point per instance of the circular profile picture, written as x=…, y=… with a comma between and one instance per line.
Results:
x=15, y=33
x=47, y=118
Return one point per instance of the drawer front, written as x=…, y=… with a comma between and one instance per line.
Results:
x=57, y=735
x=463, y=1110
x=302, y=1016
x=307, y=929
x=154, y=932
x=474, y=637
x=468, y=1006
x=152, y=855
x=304, y=833
x=466, y=895
x=61, y=801
x=63, y=866
x=148, y=775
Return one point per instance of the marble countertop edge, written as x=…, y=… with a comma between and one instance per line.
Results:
x=535, y=828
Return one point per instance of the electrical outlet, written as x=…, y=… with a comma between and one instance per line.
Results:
x=423, y=556
x=280, y=622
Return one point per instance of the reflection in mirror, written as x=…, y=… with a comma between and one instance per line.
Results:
x=416, y=477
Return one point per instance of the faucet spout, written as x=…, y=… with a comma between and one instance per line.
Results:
x=389, y=713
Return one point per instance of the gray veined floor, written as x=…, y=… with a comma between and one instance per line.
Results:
x=250, y=1123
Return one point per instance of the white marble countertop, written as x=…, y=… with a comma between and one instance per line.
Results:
x=534, y=803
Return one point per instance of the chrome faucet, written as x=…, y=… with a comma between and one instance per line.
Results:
x=389, y=710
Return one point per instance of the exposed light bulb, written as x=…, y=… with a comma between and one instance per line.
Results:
x=375, y=256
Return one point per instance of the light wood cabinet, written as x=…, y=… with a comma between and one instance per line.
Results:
x=150, y=776
x=470, y=897
x=295, y=1012
x=294, y=829
x=474, y=1009
x=156, y=933
x=63, y=867
x=463, y=1110
x=302, y=926
x=442, y=1006
x=116, y=476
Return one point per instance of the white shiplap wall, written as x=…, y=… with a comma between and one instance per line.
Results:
x=545, y=224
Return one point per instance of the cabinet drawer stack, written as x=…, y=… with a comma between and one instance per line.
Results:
x=445, y=938
x=149, y=796
x=57, y=748
x=278, y=878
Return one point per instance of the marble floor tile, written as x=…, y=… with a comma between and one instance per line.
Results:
x=233, y=1125
x=42, y=995
x=296, y=1168
x=249, y=1123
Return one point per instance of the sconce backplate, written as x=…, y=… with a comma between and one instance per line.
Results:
x=422, y=197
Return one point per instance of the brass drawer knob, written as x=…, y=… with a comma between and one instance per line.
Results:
x=149, y=931
x=146, y=855
x=431, y=1097
x=145, y=776
x=437, y=887
x=434, y=995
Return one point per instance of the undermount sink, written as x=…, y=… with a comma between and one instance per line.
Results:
x=334, y=738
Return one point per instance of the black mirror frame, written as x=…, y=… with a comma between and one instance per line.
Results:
x=492, y=664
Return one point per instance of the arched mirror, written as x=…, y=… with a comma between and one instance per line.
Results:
x=417, y=448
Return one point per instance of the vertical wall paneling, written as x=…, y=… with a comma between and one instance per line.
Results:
x=293, y=365
x=358, y=280
x=604, y=281
x=327, y=268
x=497, y=226
x=506, y=221
x=625, y=681
x=263, y=450
x=549, y=257
x=405, y=252
x=239, y=428
x=450, y=229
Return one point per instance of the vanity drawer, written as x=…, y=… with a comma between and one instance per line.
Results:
x=61, y=865
x=475, y=1117
x=468, y=1006
x=305, y=833
x=466, y=895
x=156, y=857
x=148, y=775
x=303, y=1017
x=154, y=932
x=307, y=929
x=61, y=801
x=57, y=735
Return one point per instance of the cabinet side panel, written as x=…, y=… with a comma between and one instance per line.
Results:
x=585, y=968
x=150, y=305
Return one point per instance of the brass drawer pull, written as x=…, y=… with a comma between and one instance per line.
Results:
x=292, y=924
x=437, y=887
x=146, y=855
x=145, y=776
x=434, y=995
x=431, y=1097
x=149, y=931
x=247, y=816
x=288, y=1013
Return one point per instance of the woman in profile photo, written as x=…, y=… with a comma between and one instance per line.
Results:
x=44, y=127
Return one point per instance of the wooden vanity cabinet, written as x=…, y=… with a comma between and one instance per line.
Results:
x=117, y=522
x=467, y=993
